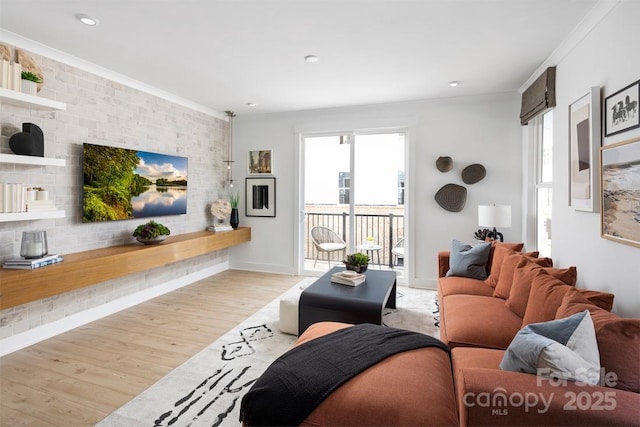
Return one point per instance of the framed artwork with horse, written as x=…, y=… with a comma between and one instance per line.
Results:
x=621, y=110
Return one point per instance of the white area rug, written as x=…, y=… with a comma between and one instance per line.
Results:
x=207, y=389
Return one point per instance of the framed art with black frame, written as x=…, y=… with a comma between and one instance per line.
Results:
x=619, y=174
x=260, y=197
x=621, y=110
x=584, y=142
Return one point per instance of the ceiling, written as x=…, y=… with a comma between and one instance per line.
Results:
x=223, y=54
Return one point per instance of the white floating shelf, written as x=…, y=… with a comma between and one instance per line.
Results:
x=30, y=101
x=31, y=160
x=27, y=216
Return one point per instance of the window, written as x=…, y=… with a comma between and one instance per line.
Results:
x=344, y=187
x=543, y=181
x=400, y=188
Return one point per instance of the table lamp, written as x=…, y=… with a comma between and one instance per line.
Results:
x=494, y=216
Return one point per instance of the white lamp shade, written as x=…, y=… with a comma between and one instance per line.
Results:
x=494, y=215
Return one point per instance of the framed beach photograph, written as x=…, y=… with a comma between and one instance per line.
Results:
x=584, y=143
x=260, y=197
x=621, y=110
x=620, y=177
x=260, y=162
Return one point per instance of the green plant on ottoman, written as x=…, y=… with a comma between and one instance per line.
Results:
x=357, y=262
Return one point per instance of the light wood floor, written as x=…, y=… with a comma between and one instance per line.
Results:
x=79, y=377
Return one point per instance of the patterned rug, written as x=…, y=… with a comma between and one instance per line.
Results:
x=206, y=390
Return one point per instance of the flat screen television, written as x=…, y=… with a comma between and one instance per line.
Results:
x=120, y=183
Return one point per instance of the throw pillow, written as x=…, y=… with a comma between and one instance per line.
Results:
x=618, y=341
x=564, y=348
x=544, y=299
x=469, y=261
x=509, y=265
x=498, y=251
x=523, y=278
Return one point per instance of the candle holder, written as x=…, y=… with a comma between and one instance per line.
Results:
x=34, y=244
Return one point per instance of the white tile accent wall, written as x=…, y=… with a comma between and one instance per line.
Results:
x=102, y=111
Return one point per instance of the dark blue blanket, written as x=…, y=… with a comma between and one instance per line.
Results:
x=299, y=380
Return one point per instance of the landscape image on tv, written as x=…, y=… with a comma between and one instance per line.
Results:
x=120, y=183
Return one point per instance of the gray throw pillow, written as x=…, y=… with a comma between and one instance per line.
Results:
x=469, y=261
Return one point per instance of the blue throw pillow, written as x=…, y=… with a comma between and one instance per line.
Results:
x=564, y=348
x=469, y=261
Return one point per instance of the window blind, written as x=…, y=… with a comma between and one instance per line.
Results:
x=539, y=96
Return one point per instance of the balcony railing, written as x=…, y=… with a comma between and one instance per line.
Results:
x=386, y=231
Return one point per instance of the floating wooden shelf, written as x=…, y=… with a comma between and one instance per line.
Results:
x=89, y=268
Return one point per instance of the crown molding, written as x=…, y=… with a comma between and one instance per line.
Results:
x=588, y=23
x=57, y=55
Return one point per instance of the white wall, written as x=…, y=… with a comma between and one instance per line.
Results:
x=608, y=58
x=482, y=130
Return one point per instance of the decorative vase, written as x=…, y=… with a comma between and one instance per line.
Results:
x=154, y=241
x=356, y=268
x=29, y=87
x=235, y=218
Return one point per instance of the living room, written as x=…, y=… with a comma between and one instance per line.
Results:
x=481, y=128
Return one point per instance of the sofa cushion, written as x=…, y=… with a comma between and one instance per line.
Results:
x=563, y=348
x=473, y=357
x=469, y=261
x=618, y=341
x=418, y=390
x=471, y=320
x=523, y=278
x=463, y=285
x=498, y=251
x=546, y=296
x=509, y=265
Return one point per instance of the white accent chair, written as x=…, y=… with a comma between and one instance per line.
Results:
x=327, y=241
x=398, y=251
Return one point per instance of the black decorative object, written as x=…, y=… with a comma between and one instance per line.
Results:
x=452, y=197
x=235, y=218
x=29, y=142
x=473, y=173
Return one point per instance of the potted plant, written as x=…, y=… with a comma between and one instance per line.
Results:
x=357, y=262
x=29, y=83
x=151, y=233
x=234, y=201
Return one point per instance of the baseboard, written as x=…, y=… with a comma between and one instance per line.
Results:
x=263, y=268
x=431, y=284
x=41, y=333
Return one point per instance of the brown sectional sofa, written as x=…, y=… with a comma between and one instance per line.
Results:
x=479, y=319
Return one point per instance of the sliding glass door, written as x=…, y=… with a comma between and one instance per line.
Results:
x=354, y=193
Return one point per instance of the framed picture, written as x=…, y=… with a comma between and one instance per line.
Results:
x=260, y=162
x=260, y=197
x=621, y=110
x=620, y=176
x=584, y=143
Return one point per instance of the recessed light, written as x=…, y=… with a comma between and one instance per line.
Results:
x=454, y=83
x=86, y=19
x=311, y=58
x=251, y=104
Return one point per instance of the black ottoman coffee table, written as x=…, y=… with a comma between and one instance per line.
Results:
x=327, y=301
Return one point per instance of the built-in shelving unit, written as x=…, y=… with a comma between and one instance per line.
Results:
x=30, y=161
x=20, y=99
x=89, y=268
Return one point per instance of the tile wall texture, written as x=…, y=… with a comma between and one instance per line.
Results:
x=105, y=112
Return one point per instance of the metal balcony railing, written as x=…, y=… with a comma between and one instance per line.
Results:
x=386, y=231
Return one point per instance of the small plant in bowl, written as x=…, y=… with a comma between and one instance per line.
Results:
x=357, y=262
x=151, y=232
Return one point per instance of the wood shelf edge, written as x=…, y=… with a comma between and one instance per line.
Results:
x=82, y=269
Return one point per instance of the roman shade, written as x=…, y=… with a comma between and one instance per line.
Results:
x=539, y=96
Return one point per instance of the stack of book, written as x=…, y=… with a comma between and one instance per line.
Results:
x=221, y=227
x=29, y=264
x=349, y=279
